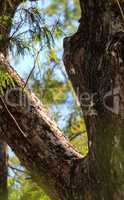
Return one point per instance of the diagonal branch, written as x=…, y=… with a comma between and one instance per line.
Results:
x=43, y=149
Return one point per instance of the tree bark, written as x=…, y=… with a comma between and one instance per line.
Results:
x=5, y=10
x=95, y=65
x=94, y=62
x=3, y=170
x=40, y=145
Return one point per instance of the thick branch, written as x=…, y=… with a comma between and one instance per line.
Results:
x=36, y=140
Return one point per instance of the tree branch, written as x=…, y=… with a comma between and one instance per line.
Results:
x=43, y=149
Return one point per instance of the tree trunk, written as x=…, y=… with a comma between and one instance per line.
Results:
x=5, y=10
x=3, y=170
x=94, y=62
x=95, y=65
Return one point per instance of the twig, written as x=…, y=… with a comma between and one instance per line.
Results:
x=13, y=118
x=76, y=135
x=18, y=27
x=122, y=13
x=16, y=169
x=32, y=68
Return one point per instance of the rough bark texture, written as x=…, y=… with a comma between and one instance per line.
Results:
x=6, y=9
x=94, y=62
x=3, y=170
x=95, y=65
x=37, y=141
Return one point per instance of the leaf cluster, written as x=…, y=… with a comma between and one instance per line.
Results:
x=5, y=80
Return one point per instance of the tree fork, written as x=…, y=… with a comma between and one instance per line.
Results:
x=38, y=142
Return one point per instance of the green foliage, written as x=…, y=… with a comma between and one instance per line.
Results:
x=77, y=132
x=5, y=80
x=34, y=29
x=29, y=31
x=70, y=9
x=70, y=13
x=54, y=90
x=26, y=189
x=5, y=20
x=2, y=39
x=53, y=56
x=51, y=91
x=20, y=184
